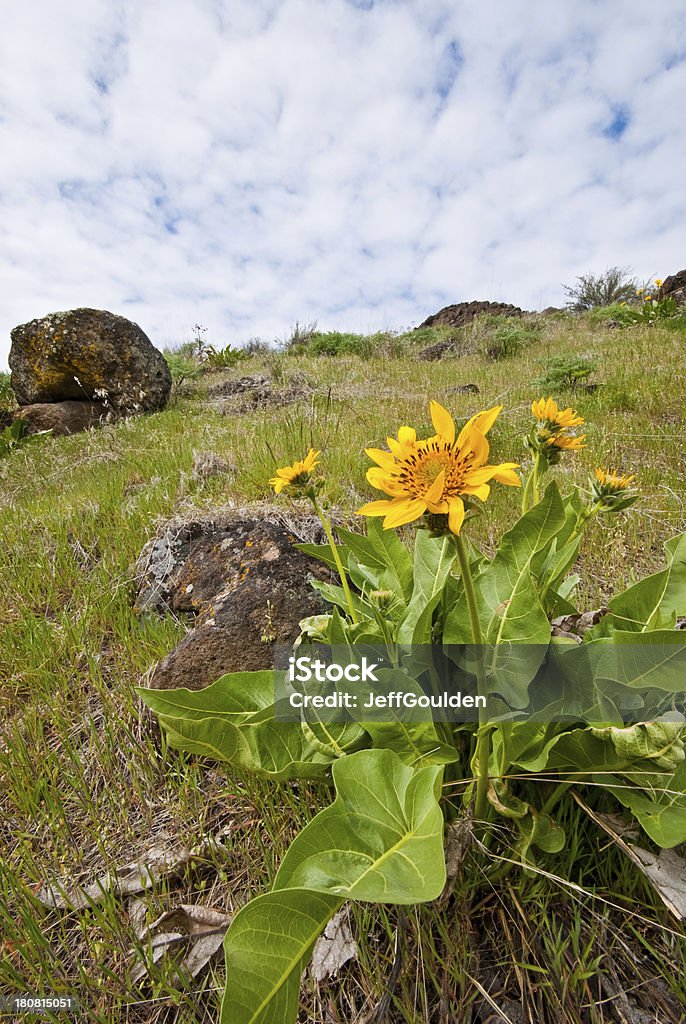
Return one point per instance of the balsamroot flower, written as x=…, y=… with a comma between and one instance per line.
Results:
x=297, y=476
x=435, y=475
x=612, y=491
x=554, y=435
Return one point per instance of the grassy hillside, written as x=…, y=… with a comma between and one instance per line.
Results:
x=88, y=784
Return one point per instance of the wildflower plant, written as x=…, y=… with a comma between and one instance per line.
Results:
x=548, y=709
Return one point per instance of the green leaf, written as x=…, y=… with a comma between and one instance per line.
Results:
x=510, y=609
x=652, y=603
x=267, y=948
x=652, y=660
x=382, y=838
x=233, y=720
x=275, y=750
x=382, y=558
x=658, y=803
x=415, y=742
x=322, y=552
x=335, y=595
x=433, y=560
x=235, y=696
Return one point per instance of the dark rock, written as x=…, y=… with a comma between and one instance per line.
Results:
x=229, y=388
x=465, y=389
x=257, y=392
x=674, y=287
x=88, y=354
x=6, y=418
x=61, y=417
x=463, y=313
x=432, y=353
x=246, y=583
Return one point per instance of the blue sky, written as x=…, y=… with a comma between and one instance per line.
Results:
x=247, y=164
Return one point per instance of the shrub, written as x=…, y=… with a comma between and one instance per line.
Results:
x=224, y=358
x=181, y=366
x=592, y=290
x=565, y=372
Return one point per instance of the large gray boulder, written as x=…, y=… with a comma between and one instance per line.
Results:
x=88, y=354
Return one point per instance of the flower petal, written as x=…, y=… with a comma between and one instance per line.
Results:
x=483, y=421
x=443, y=422
x=381, y=458
x=455, y=514
x=480, y=491
x=380, y=479
x=505, y=474
x=404, y=510
x=375, y=508
x=435, y=492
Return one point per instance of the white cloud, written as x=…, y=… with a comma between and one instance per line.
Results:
x=250, y=163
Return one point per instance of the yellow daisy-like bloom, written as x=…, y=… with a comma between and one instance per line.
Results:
x=435, y=474
x=556, y=424
x=296, y=475
x=659, y=282
x=567, y=442
x=547, y=411
x=639, y=291
x=611, y=480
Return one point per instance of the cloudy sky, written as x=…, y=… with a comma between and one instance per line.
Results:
x=247, y=164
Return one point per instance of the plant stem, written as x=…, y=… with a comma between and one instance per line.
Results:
x=531, y=494
x=559, y=792
x=483, y=739
x=337, y=558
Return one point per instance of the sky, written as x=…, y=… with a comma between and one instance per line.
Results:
x=250, y=164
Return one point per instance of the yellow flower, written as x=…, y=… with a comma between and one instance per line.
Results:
x=659, y=282
x=547, y=411
x=639, y=291
x=555, y=426
x=567, y=442
x=296, y=475
x=435, y=474
x=610, y=480
x=647, y=298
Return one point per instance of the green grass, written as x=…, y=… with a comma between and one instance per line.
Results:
x=88, y=783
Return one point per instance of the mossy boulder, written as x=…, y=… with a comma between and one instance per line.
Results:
x=88, y=354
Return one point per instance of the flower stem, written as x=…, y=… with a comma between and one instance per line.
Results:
x=483, y=739
x=337, y=559
x=531, y=494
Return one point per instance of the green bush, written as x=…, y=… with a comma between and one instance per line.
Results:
x=181, y=366
x=224, y=358
x=565, y=372
x=592, y=290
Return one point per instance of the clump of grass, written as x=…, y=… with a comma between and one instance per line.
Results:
x=7, y=399
x=506, y=336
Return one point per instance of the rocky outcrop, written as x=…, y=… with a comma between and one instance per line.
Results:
x=245, y=583
x=61, y=417
x=674, y=287
x=88, y=355
x=462, y=313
